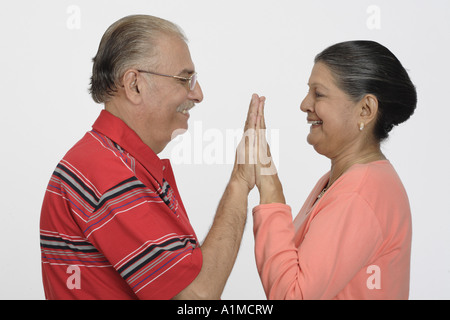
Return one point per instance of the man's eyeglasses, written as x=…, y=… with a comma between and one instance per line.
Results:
x=192, y=80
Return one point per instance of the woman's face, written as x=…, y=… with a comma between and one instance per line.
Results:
x=332, y=115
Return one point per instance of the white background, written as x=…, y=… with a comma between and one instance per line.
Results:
x=239, y=47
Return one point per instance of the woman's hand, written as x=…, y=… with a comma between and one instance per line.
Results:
x=266, y=177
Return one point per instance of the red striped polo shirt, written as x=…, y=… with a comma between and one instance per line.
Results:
x=113, y=225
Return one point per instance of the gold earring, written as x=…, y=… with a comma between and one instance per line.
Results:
x=361, y=126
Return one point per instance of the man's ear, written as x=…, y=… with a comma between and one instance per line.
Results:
x=130, y=82
x=369, y=109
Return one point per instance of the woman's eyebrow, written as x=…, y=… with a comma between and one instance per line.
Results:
x=317, y=84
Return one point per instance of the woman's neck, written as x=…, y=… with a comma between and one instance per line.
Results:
x=341, y=164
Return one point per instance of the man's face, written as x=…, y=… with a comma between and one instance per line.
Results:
x=166, y=100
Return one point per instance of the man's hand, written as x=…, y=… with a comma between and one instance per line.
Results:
x=246, y=153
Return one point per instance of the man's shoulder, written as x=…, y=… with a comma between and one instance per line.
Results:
x=92, y=148
x=99, y=160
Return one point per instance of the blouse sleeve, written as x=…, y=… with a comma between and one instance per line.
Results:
x=340, y=240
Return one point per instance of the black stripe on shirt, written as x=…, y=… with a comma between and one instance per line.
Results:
x=157, y=249
x=84, y=187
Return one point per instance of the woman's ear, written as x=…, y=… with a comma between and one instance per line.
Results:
x=369, y=109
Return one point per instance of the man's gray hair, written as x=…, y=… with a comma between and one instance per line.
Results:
x=128, y=43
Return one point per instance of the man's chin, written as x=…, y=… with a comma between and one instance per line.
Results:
x=178, y=132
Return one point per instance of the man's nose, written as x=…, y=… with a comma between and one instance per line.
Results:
x=197, y=94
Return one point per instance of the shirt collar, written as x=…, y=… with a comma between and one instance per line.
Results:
x=118, y=131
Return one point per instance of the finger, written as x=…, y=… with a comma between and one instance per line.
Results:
x=250, y=123
x=263, y=146
x=261, y=118
x=260, y=112
x=253, y=103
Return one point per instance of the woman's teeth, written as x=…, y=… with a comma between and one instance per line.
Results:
x=315, y=122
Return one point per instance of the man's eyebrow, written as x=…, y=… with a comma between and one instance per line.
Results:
x=187, y=71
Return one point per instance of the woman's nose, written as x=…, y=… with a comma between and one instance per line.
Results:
x=307, y=104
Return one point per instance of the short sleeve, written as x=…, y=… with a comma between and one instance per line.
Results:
x=152, y=248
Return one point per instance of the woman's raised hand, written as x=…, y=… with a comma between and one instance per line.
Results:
x=266, y=176
x=246, y=158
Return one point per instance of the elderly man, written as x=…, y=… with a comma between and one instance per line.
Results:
x=113, y=225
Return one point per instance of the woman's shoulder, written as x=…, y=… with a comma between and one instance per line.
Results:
x=374, y=181
x=373, y=174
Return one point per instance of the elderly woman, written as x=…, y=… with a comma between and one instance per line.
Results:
x=352, y=237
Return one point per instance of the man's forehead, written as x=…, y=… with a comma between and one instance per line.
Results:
x=174, y=54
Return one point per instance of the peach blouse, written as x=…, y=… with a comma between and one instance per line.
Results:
x=352, y=243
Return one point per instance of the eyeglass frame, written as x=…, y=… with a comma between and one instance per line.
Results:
x=189, y=80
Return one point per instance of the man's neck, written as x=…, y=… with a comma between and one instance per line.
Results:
x=122, y=111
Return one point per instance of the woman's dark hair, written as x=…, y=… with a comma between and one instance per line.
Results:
x=367, y=67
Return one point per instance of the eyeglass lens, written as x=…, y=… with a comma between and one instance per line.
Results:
x=193, y=82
